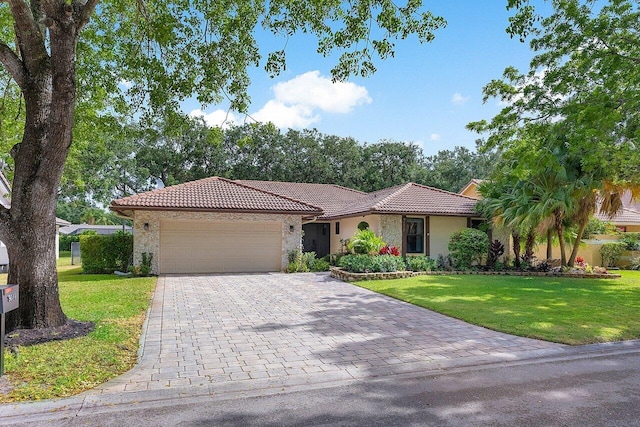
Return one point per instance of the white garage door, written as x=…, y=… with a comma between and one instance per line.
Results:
x=220, y=247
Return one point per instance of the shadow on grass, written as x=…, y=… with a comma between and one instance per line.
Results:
x=76, y=275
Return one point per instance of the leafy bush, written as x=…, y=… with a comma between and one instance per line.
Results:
x=631, y=241
x=421, y=263
x=444, y=263
x=389, y=250
x=611, y=252
x=65, y=240
x=364, y=263
x=365, y=242
x=106, y=254
x=634, y=263
x=597, y=226
x=144, y=269
x=302, y=262
x=468, y=246
x=334, y=259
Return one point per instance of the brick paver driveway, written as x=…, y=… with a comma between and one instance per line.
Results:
x=271, y=330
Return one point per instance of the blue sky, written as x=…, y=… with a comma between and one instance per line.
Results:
x=426, y=94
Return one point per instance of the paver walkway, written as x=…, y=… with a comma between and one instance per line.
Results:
x=286, y=329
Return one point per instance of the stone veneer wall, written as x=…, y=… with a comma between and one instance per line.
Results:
x=391, y=230
x=149, y=240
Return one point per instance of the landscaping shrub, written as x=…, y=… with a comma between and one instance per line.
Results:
x=65, y=240
x=467, y=247
x=106, y=254
x=302, y=262
x=365, y=242
x=597, y=226
x=631, y=241
x=444, y=263
x=611, y=252
x=634, y=263
x=421, y=263
x=334, y=259
x=364, y=263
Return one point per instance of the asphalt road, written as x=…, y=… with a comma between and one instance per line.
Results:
x=592, y=391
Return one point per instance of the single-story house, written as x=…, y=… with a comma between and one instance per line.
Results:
x=5, y=200
x=74, y=229
x=219, y=225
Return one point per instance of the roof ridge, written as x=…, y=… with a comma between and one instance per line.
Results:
x=440, y=190
x=271, y=194
x=400, y=190
x=302, y=183
x=164, y=189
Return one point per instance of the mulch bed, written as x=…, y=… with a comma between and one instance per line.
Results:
x=25, y=337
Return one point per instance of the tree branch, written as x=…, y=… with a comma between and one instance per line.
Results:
x=86, y=11
x=12, y=64
x=30, y=38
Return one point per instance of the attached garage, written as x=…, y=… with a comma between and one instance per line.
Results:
x=220, y=246
x=214, y=225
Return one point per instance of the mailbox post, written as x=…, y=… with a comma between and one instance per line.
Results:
x=9, y=301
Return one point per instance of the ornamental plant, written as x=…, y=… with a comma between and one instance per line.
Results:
x=611, y=252
x=468, y=246
x=365, y=242
x=389, y=250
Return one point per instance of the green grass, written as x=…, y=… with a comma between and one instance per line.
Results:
x=570, y=311
x=57, y=369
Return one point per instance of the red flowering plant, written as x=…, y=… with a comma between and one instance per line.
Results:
x=580, y=262
x=389, y=250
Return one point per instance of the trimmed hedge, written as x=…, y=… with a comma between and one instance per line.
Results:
x=371, y=263
x=106, y=253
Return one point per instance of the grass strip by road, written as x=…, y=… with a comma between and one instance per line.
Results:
x=563, y=310
x=116, y=305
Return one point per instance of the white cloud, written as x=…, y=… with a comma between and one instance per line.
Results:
x=286, y=116
x=299, y=102
x=434, y=137
x=219, y=118
x=458, y=99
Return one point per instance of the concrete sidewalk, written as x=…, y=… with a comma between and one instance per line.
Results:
x=231, y=335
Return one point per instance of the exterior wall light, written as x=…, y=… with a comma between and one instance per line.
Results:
x=146, y=226
x=291, y=228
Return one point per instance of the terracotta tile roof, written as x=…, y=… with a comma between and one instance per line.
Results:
x=413, y=198
x=214, y=194
x=625, y=217
x=331, y=198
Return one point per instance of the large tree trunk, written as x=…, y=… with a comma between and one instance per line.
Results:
x=559, y=218
x=516, y=248
x=549, y=243
x=529, y=244
x=28, y=227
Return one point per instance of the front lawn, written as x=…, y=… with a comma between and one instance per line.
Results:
x=116, y=305
x=570, y=311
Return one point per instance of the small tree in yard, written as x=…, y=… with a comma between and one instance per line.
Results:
x=164, y=51
x=467, y=247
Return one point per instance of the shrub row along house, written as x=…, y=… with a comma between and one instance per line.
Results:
x=218, y=225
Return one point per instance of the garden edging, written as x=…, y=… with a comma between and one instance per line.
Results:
x=340, y=274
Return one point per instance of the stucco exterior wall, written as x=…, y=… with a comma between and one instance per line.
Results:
x=349, y=226
x=149, y=240
x=391, y=230
x=441, y=228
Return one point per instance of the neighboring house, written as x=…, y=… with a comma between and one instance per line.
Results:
x=471, y=189
x=219, y=225
x=74, y=229
x=627, y=220
x=5, y=200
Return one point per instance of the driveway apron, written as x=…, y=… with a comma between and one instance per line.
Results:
x=271, y=330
